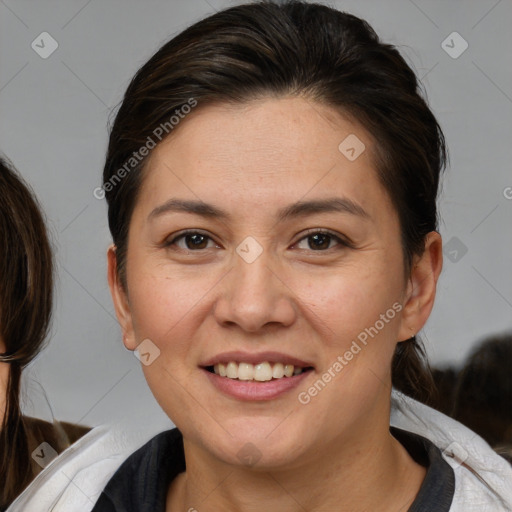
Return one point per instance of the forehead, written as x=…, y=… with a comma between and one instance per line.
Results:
x=264, y=153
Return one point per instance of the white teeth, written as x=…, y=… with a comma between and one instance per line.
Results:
x=261, y=372
x=232, y=370
x=288, y=370
x=220, y=369
x=278, y=371
x=245, y=371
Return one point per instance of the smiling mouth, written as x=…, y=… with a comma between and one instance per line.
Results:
x=261, y=372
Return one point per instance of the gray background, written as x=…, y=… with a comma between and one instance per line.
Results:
x=53, y=126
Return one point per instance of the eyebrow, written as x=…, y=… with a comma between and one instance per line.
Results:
x=298, y=209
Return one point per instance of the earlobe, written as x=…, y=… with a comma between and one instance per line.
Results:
x=421, y=287
x=120, y=300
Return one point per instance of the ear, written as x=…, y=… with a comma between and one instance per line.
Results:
x=421, y=288
x=120, y=299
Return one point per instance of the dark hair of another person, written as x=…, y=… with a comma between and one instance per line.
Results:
x=483, y=398
x=299, y=49
x=26, y=290
x=445, y=380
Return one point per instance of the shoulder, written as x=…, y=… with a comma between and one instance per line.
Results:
x=141, y=482
x=53, y=438
x=483, y=479
x=59, y=434
x=74, y=480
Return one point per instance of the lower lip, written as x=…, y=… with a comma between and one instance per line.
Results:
x=252, y=390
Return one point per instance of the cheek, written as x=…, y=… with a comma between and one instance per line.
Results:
x=167, y=310
x=347, y=301
x=160, y=303
x=360, y=311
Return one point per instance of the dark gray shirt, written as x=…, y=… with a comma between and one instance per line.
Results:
x=141, y=482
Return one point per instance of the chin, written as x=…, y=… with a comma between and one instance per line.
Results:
x=258, y=443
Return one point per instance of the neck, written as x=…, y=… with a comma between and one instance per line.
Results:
x=367, y=471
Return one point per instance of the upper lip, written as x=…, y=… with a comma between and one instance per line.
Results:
x=255, y=358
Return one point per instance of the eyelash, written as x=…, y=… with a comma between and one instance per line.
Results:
x=343, y=242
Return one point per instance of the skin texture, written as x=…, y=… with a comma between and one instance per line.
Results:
x=336, y=452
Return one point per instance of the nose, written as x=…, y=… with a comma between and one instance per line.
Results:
x=254, y=297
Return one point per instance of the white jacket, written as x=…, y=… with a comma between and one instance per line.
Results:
x=73, y=481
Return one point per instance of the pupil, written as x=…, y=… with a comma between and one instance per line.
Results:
x=321, y=241
x=196, y=241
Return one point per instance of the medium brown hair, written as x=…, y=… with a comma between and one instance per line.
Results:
x=26, y=292
x=291, y=49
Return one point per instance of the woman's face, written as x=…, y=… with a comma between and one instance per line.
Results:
x=293, y=256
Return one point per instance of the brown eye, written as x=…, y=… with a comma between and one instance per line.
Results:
x=196, y=241
x=320, y=241
x=192, y=241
